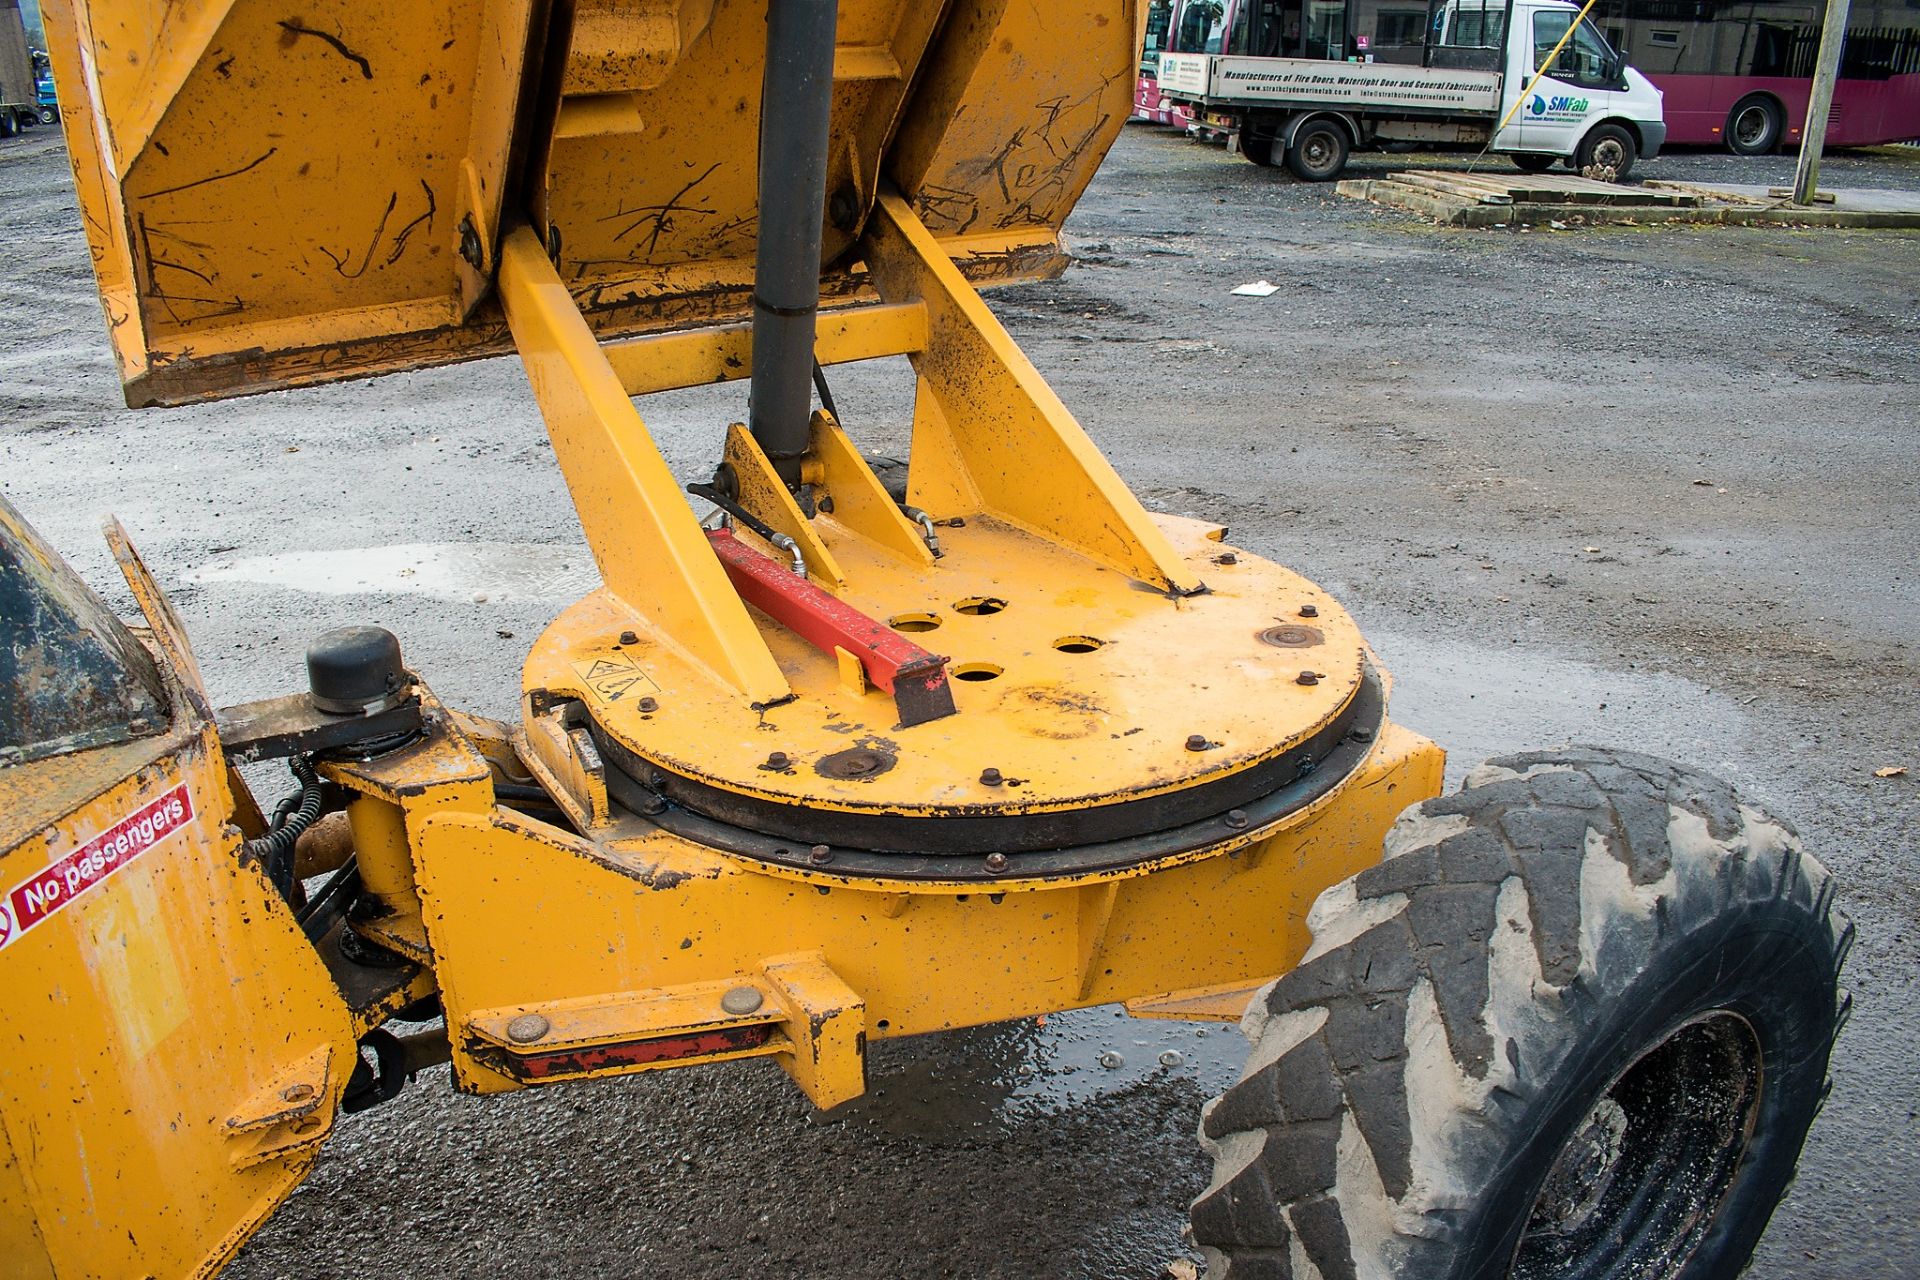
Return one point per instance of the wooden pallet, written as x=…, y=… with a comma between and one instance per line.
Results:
x=1462, y=199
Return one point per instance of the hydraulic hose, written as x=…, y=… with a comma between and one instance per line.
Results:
x=295, y=815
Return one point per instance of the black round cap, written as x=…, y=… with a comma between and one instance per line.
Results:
x=355, y=671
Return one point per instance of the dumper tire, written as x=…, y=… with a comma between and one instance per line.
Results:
x=1574, y=1025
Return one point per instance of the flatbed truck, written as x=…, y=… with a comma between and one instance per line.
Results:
x=1306, y=83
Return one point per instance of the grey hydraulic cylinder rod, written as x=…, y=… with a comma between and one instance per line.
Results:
x=795, y=108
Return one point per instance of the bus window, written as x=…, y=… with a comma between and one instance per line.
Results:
x=1389, y=29
x=1326, y=29
x=1202, y=24
x=1481, y=27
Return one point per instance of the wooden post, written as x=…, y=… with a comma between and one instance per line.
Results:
x=1813, y=139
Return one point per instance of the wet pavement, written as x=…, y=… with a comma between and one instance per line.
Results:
x=1646, y=487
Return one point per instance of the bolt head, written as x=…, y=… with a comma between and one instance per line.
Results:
x=777, y=760
x=1237, y=818
x=649, y=705
x=1197, y=742
x=629, y=637
x=1309, y=610
x=996, y=862
x=990, y=777
x=1307, y=677
x=742, y=1000
x=527, y=1028
x=1226, y=558
x=820, y=855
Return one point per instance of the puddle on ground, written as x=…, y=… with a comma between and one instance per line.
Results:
x=1477, y=701
x=473, y=571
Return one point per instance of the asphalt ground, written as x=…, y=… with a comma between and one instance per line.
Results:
x=1653, y=487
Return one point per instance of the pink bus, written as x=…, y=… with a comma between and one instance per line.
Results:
x=1148, y=105
x=1738, y=72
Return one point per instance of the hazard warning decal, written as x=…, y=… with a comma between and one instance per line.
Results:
x=614, y=677
x=36, y=898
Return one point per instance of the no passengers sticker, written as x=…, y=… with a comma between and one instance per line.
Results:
x=36, y=898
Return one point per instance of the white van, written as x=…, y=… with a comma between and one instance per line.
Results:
x=1306, y=81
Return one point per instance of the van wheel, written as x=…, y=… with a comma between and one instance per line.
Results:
x=1754, y=125
x=1575, y=1025
x=1319, y=151
x=1530, y=163
x=1611, y=147
x=48, y=115
x=1257, y=148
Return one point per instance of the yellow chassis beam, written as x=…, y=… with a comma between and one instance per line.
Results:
x=561, y=957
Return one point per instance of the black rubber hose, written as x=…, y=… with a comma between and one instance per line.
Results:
x=734, y=509
x=275, y=848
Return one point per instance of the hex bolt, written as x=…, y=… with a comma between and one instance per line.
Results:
x=742, y=1000
x=1237, y=819
x=1309, y=610
x=527, y=1028
x=1227, y=558
x=1307, y=677
x=777, y=760
x=629, y=637
x=958, y=522
x=990, y=777
x=996, y=862
x=1197, y=742
x=820, y=855
x=1361, y=734
x=648, y=705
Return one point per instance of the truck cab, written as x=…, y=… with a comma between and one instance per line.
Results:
x=1522, y=77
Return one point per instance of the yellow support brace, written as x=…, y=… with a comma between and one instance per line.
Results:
x=651, y=552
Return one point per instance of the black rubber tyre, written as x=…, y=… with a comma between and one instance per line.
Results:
x=1610, y=145
x=1754, y=125
x=1257, y=148
x=1530, y=162
x=1575, y=1025
x=7, y=126
x=1319, y=151
x=48, y=115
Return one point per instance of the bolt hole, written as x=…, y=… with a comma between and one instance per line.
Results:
x=910, y=622
x=1078, y=644
x=979, y=606
x=883, y=1024
x=977, y=671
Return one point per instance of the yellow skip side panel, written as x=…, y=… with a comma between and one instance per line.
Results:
x=171, y=1049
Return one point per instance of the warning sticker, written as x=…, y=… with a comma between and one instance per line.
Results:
x=614, y=677
x=39, y=896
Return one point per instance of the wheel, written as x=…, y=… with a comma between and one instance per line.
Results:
x=48, y=115
x=1754, y=125
x=1319, y=151
x=7, y=127
x=1532, y=162
x=1257, y=148
x=1575, y=1025
x=1609, y=146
